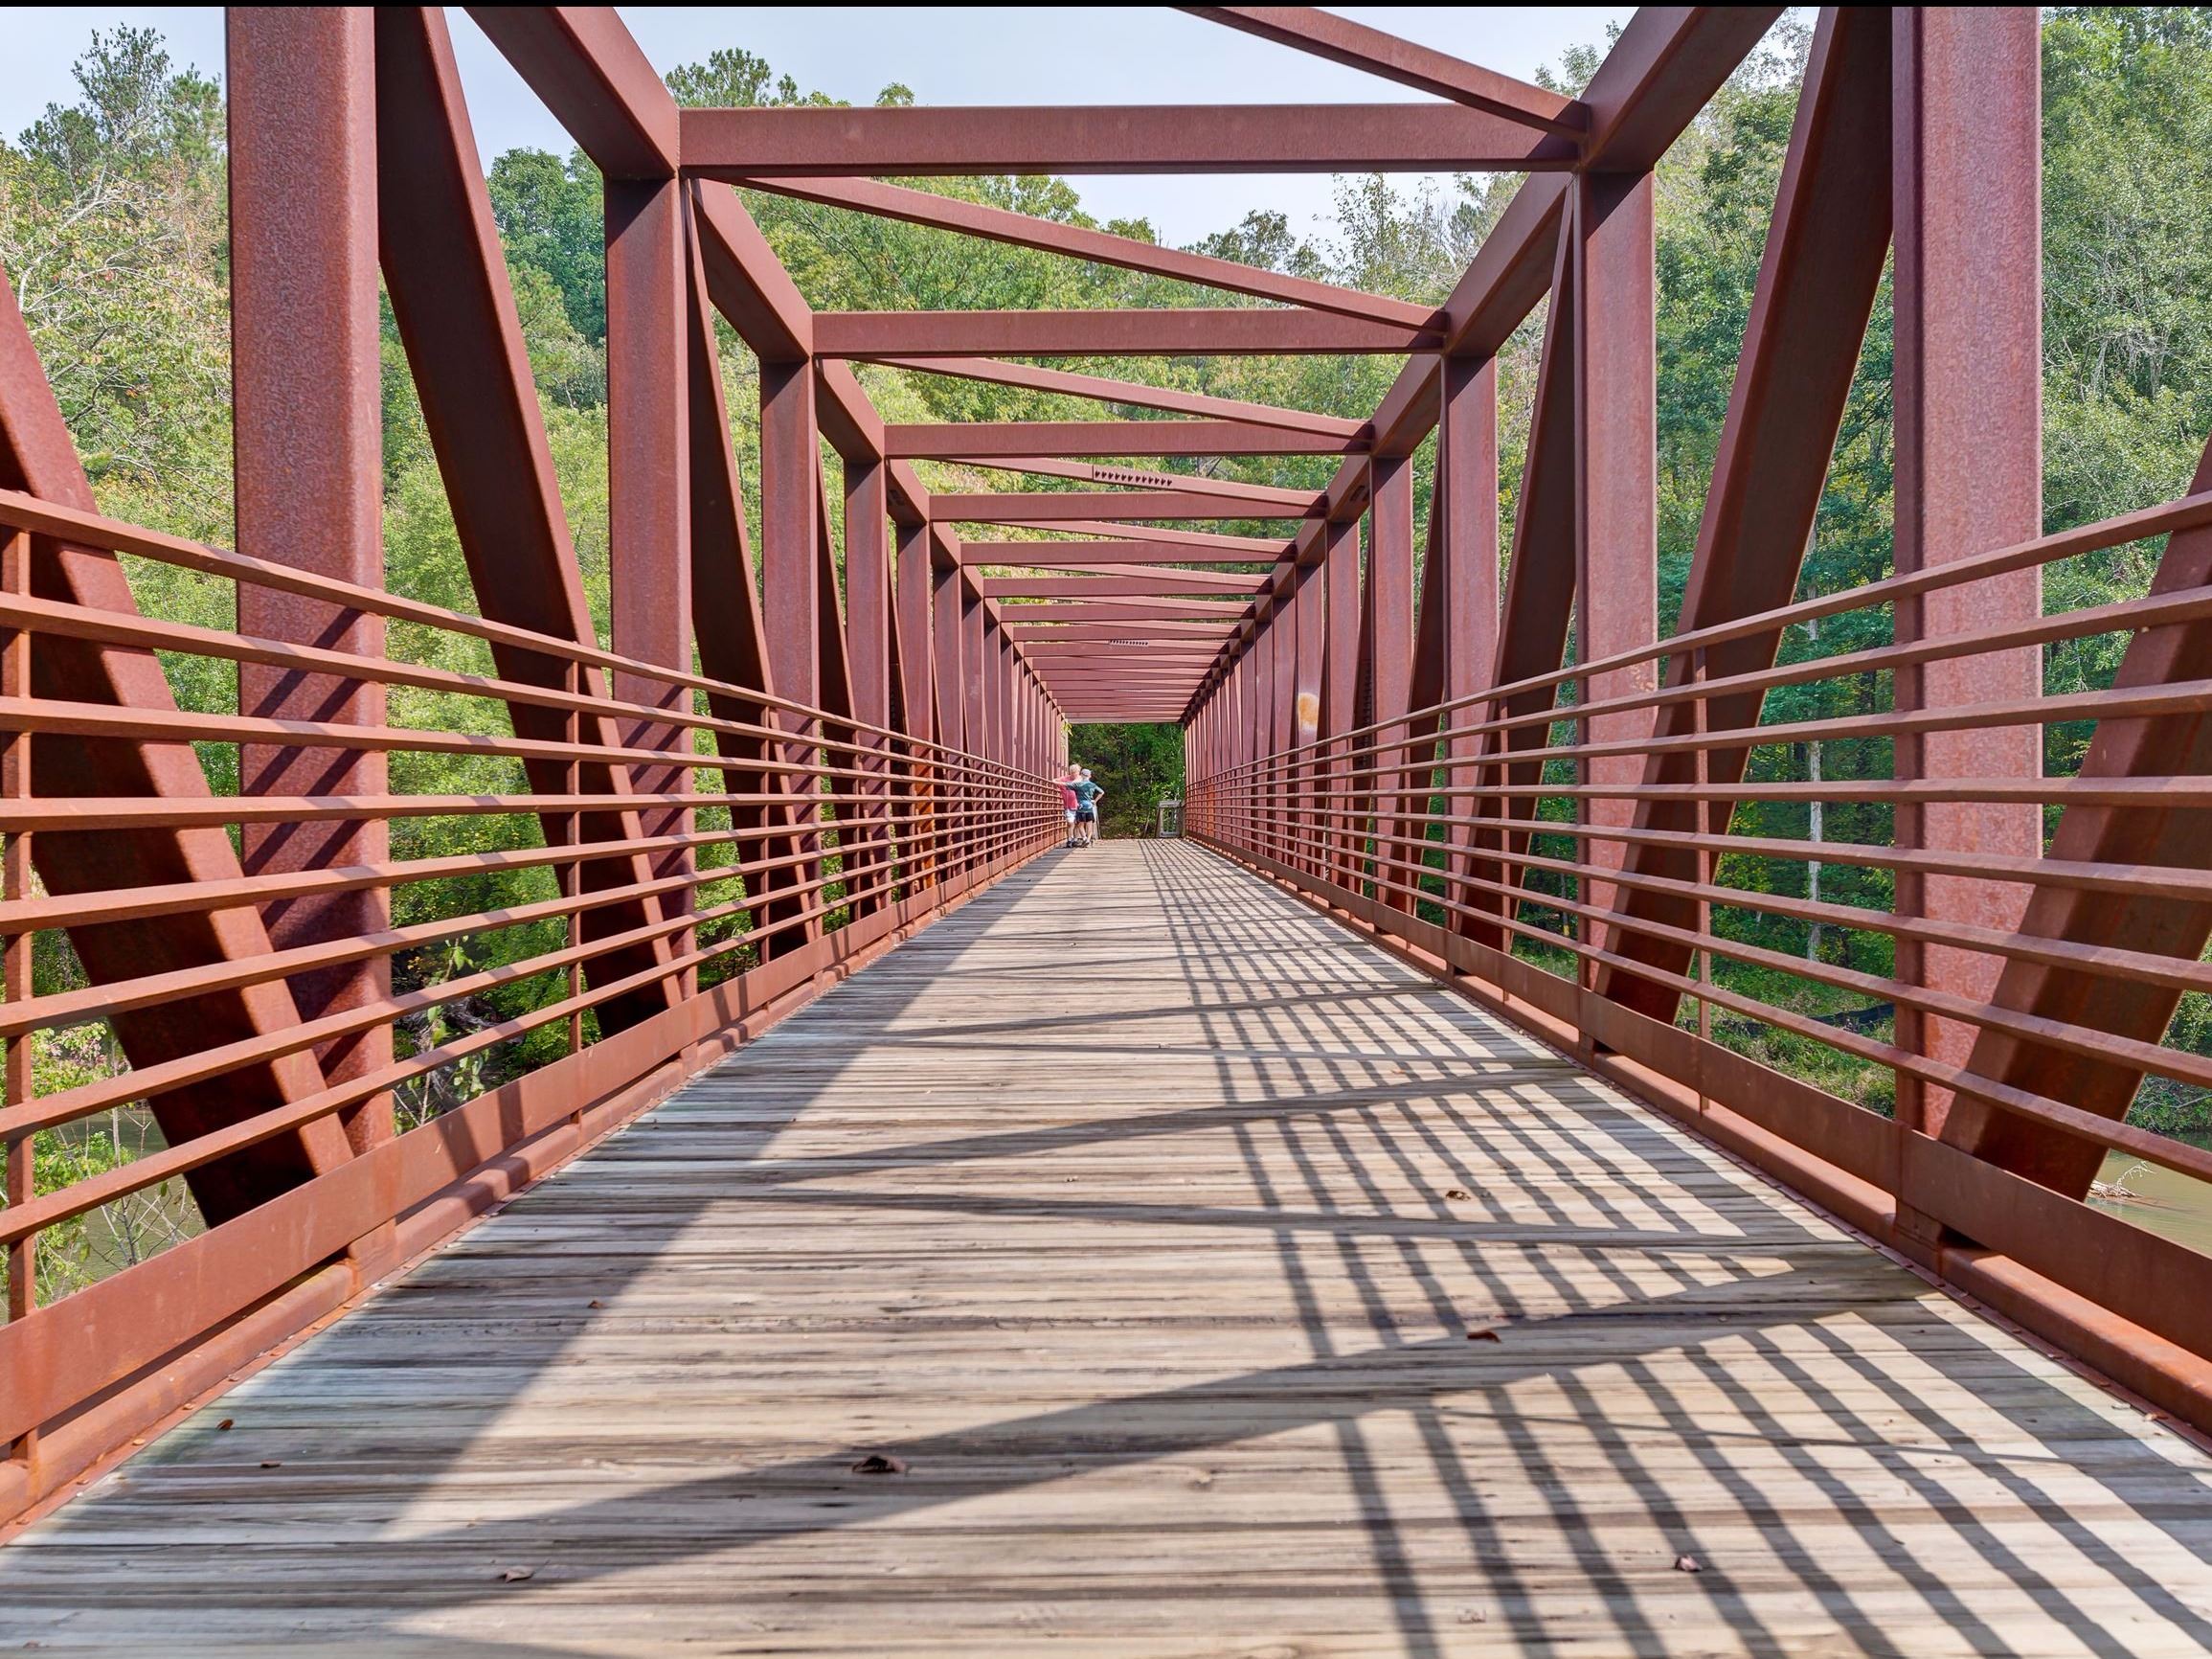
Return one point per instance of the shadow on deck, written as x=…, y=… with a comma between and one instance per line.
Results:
x=1222, y=1286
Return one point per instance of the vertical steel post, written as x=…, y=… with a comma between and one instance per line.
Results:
x=1617, y=499
x=18, y=1085
x=917, y=676
x=791, y=589
x=948, y=624
x=1967, y=107
x=1308, y=624
x=974, y=669
x=1467, y=497
x=916, y=661
x=1390, y=577
x=648, y=497
x=1339, y=691
x=308, y=453
x=867, y=621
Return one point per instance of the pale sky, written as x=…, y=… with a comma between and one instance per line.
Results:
x=949, y=54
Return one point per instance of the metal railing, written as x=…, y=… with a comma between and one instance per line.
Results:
x=1617, y=854
x=637, y=934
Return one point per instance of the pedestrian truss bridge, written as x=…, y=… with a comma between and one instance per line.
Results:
x=1573, y=1135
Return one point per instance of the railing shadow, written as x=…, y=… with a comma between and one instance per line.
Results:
x=1687, y=1361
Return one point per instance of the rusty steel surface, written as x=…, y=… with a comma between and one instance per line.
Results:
x=1967, y=110
x=791, y=755
x=309, y=466
x=1120, y=139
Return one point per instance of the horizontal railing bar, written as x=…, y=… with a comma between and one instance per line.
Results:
x=55, y=816
x=80, y=1197
x=2186, y=512
x=2186, y=696
x=2164, y=1151
x=66, y=1106
x=122, y=905
x=2173, y=972
x=91, y=529
x=114, y=627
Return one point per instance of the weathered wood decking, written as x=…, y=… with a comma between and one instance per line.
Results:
x=1160, y=1230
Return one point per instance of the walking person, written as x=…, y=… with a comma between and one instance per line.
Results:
x=1087, y=794
x=1070, y=801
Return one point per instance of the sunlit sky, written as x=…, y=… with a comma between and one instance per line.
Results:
x=947, y=55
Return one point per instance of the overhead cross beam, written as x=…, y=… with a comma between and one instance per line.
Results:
x=1129, y=393
x=1067, y=507
x=1095, y=248
x=1193, y=331
x=941, y=142
x=960, y=441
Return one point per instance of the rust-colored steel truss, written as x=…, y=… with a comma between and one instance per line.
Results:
x=792, y=754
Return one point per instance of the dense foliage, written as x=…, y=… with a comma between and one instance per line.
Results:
x=1140, y=766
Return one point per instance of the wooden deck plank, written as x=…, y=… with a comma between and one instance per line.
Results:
x=1153, y=1223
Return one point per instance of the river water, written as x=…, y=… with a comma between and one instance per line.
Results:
x=2164, y=1201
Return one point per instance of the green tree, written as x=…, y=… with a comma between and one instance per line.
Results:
x=1137, y=765
x=551, y=219
x=113, y=233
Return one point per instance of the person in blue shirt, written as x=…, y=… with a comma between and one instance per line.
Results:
x=1088, y=795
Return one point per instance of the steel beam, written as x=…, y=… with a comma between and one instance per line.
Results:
x=1389, y=647
x=1152, y=584
x=867, y=630
x=1969, y=388
x=1156, y=609
x=940, y=143
x=1467, y=469
x=1260, y=496
x=1131, y=393
x=1170, y=332
x=1091, y=246
x=949, y=670
x=749, y=285
x=589, y=73
x=1615, y=482
x=979, y=439
x=1059, y=506
x=307, y=442
x=648, y=492
x=1339, y=682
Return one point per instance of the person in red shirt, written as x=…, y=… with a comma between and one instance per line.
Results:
x=1070, y=801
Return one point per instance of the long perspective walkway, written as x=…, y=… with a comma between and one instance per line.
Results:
x=1137, y=1264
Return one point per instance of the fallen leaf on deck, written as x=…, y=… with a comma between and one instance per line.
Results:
x=1457, y=1193
x=226, y=1423
x=1483, y=1337
x=516, y=1575
x=1688, y=1564
x=877, y=1464
x=272, y=1463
